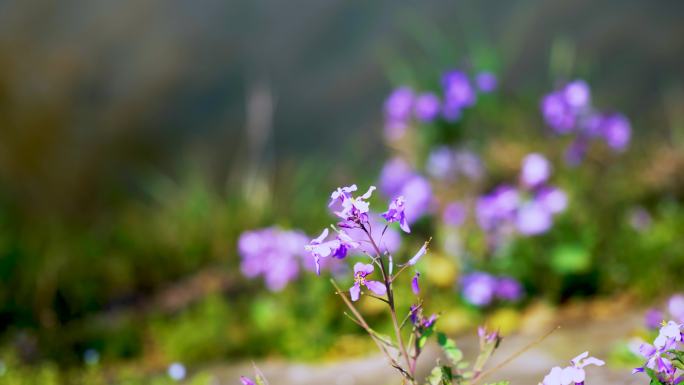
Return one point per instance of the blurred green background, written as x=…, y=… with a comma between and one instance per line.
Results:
x=138, y=139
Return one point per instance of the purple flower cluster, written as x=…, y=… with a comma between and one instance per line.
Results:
x=528, y=209
x=573, y=374
x=661, y=355
x=675, y=310
x=458, y=92
x=398, y=178
x=568, y=110
x=447, y=164
x=481, y=289
x=274, y=254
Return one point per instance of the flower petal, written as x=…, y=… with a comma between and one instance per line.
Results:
x=355, y=291
x=376, y=287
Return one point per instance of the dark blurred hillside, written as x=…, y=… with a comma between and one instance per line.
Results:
x=95, y=94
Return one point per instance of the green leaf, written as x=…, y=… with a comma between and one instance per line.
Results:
x=440, y=375
x=570, y=258
x=454, y=354
x=425, y=335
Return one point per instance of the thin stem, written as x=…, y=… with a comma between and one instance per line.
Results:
x=512, y=357
x=362, y=322
x=390, y=302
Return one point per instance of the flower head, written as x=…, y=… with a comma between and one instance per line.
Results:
x=414, y=284
x=361, y=271
x=337, y=247
x=573, y=374
x=395, y=213
x=427, y=107
x=536, y=169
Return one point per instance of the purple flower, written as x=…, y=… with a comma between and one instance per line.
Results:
x=573, y=374
x=272, y=253
x=653, y=318
x=577, y=94
x=553, y=199
x=454, y=214
x=414, y=284
x=616, y=131
x=427, y=107
x=536, y=170
x=479, y=288
x=361, y=271
x=675, y=305
x=394, y=175
x=354, y=210
x=417, y=318
x=441, y=163
x=418, y=194
x=246, y=381
x=557, y=113
x=422, y=251
x=341, y=194
x=508, y=289
x=458, y=92
x=497, y=208
x=398, y=108
x=395, y=213
x=388, y=240
x=486, y=81
x=468, y=164
x=533, y=219
x=337, y=247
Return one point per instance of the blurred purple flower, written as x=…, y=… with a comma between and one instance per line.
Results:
x=486, y=82
x=479, y=288
x=640, y=219
x=508, y=289
x=533, y=219
x=616, y=131
x=361, y=271
x=675, y=305
x=427, y=107
x=497, y=208
x=557, y=114
x=395, y=173
x=457, y=89
x=654, y=318
x=468, y=164
x=387, y=240
x=536, y=170
x=454, y=214
x=272, y=253
x=398, y=108
x=418, y=194
x=246, y=381
x=553, y=199
x=441, y=163
x=577, y=94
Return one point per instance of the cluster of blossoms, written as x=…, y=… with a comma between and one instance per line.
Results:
x=573, y=374
x=568, y=110
x=529, y=209
x=275, y=254
x=404, y=105
x=481, y=289
x=675, y=310
x=665, y=357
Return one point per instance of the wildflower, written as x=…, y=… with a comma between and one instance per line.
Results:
x=398, y=107
x=361, y=271
x=394, y=175
x=616, y=131
x=341, y=194
x=176, y=371
x=417, y=318
x=553, y=199
x=653, y=318
x=418, y=194
x=657, y=355
x=355, y=209
x=577, y=94
x=536, y=169
x=272, y=253
x=418, y=255
x=387, y=239
x=573, y=374
x=441, y=163
x=454, y=214
x=395, y=213
x=458, y=92
x=414, y=284
x=427, y=107
x=533, y=219
x=675, y=305
x=337, y=248
x=557, y=114
x=508, y=289
x=478, y=288
x=486, y=81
